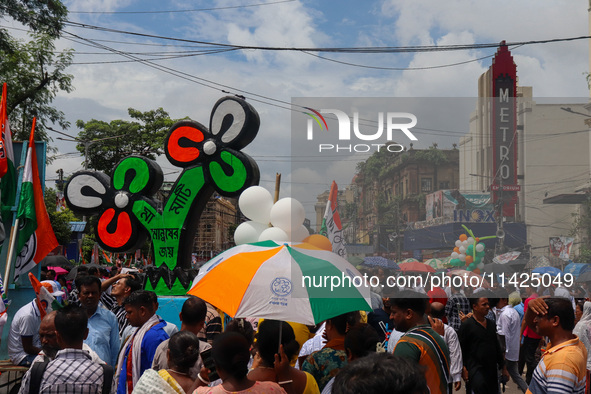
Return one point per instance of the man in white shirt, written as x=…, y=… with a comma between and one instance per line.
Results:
x=23, y=340
x=437, y=313
x=509, y=332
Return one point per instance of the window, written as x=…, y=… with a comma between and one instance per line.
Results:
x=444, y=185
x=425, y=184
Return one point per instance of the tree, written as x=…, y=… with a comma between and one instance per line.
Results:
x=60, y=221
x=144, y=136
x=35, y=73
x=41, y=16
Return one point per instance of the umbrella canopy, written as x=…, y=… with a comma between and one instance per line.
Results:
x=415, y=266
x=409, y=260
x=58, y=270
x=74, y=271
x=379, y=261
x=547, y=270
x=577, y=269
x=56, y=261
x=355, y=260
x=435, y=263
x=282, y=282
x=496, y=268
x=584, y=277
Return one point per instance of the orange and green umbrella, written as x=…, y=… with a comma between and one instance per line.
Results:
x=292, y=282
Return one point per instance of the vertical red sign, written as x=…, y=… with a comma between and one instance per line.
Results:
x=504, y=129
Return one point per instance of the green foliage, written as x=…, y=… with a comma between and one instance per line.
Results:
x=35, y=73
x=41, y=16
x=143, y=136
x=60, y=221
x=432, y=155
x=87, y=245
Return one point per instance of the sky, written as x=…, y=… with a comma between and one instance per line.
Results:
x=107, y=83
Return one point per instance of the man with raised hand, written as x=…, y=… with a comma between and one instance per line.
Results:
x=563, y=366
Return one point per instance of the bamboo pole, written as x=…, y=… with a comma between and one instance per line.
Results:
x=277, y=186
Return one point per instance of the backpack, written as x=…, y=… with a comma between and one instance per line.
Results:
x=37, y=370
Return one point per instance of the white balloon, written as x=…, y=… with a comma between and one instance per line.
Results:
x=480, y=266
x=256, y=203
x=462, y=257
x=465, y=244
x=299, y=234
x=274, y=234
x=287, y=214
x=455, y=255
x=479, y=247
x=458, y=243
x=248, y=232
x=470, y=240
x=462, y=249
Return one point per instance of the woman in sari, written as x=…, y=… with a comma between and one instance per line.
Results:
x=183, y=352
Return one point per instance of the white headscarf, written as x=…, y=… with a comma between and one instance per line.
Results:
x=583, y=330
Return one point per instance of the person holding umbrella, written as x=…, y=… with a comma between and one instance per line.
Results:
x=268, y=337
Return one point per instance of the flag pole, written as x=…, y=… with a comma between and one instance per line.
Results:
x=13, y=233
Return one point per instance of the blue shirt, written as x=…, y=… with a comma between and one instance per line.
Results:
x=154, y=337
x=519, y=309
x=103, y=335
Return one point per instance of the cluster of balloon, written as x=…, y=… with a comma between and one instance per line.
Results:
x=286, y=217
x=469, y=251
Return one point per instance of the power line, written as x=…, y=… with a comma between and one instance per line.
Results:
x=181, y=11
x=364, y=50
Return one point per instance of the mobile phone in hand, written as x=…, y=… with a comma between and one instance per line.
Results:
x=209, y=364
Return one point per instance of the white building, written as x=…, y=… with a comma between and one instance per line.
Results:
x=552, y=159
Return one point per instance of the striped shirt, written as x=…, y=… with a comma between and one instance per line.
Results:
x=428, y=348
x=562, y=369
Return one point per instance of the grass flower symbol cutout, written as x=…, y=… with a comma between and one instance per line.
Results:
x=90, y=192
x=211, y=161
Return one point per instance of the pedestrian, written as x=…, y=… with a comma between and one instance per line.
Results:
x=562, y=368
x=420, y=343
x=381, y=373
x=182, y=354
x=324, y=364
x=481, y=351
x=531, y=340
x=437, y=313
x=138, y=352
x=192, y=317
x=72, y=371
x=231, y=353
x=508, y=330
x=583, y=331
x=103, y=329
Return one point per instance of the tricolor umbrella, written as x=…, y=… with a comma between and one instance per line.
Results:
x=289, y=282
x=435, y=263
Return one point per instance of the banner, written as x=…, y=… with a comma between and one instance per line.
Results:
x=331, y=224
x=561, y=246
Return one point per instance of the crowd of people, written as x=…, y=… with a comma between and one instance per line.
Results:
x=109, y=338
